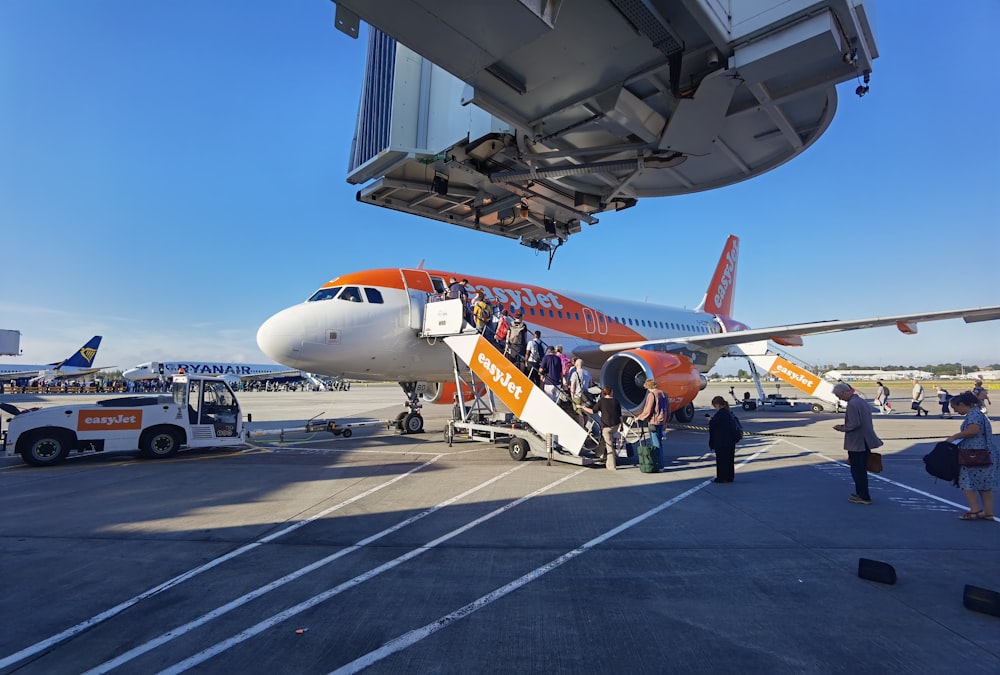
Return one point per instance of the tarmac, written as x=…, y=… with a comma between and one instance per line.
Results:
x=390, y=553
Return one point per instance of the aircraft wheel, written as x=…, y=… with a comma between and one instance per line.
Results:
x=399, y=420
x=159, y=442
x=347, y=433
x=816, y=407
x=685, y=414
x=519, y=449
x=45, y=447
x=413, y=423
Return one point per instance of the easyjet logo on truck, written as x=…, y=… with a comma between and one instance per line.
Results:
x=109, y=420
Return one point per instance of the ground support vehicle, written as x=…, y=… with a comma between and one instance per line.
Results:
x=200, y=412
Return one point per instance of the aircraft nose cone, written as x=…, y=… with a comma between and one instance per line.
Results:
x=280, y=337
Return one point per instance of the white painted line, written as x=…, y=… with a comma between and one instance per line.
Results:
x=414, y=636
x=882, y=478
x=288, y=578
x=260, y=627
x=170, y=583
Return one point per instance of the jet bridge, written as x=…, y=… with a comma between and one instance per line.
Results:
x=528, y=119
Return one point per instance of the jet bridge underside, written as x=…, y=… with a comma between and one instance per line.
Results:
x=528, y=119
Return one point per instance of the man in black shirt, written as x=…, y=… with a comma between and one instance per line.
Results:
x=611, y=420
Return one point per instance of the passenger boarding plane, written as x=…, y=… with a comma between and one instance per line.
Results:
x=152, y=370
x=367, y=325
x=79, y=364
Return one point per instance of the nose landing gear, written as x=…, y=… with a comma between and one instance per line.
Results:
x=410, y=421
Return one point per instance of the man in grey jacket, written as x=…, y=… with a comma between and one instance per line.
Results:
x=859, y=439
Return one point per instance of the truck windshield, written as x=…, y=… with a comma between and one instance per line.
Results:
x=177, y=391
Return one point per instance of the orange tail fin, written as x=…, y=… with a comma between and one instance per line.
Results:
x=722, y=290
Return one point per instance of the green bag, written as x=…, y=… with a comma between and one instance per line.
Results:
x=649, y=458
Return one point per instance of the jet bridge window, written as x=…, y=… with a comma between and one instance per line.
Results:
x=374, y=296
x=325, y=294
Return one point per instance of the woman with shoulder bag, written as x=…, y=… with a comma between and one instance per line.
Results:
x=978, y=457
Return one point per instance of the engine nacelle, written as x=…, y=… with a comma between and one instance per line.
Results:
x=443, y=393
x=626, y=372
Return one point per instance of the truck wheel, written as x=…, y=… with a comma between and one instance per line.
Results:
x=685, y=414
x=413, y=423
x=347, y=433
x=159, y=442
x=519, y=449
x=45, y=447
x=816, y=407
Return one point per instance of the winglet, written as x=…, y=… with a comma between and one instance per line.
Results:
x=722, y=289
x=84, y=357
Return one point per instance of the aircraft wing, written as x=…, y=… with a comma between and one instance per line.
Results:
x=56, y=374
x=19, y=374
x=905, y=322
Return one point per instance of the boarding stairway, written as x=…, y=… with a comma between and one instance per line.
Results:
x=547, y=430
x=761, y=355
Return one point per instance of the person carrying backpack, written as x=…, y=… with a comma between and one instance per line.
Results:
x=533, y=358
x=655, y=412
x=516, y=340
x=500, y=332
x=579, y=382
x=482, y=312
x=724, y=432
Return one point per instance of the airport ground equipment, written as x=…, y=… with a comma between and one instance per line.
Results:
x=200, y=412
x=761, y=356
x=535, y=425
x=345, y=429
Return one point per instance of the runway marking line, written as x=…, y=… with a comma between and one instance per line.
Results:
x=286, y=579
x=415, y=636
x=877, y=476
x=170, y=583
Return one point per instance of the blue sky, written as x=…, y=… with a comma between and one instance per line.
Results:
x=173, y=173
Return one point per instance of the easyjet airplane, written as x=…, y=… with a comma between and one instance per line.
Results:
x=367, y=326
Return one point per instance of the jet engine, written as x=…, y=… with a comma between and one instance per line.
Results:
x=627, y=371
x=443, y=393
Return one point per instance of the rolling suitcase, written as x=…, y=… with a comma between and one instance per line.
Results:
x=649, y=454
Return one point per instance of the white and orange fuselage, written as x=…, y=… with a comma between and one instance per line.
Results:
x=365, y=325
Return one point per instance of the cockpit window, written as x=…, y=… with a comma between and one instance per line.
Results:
x=325, y=294
x=351, y=294
x=374, y=296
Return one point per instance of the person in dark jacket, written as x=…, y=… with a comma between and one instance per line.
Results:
x=722, y=438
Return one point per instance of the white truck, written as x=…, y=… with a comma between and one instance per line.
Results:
x=200, y=412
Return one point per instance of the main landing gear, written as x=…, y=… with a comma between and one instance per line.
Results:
x=410, y=421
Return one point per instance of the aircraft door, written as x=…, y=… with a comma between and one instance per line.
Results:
x=590, y=321
x=418, y=285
